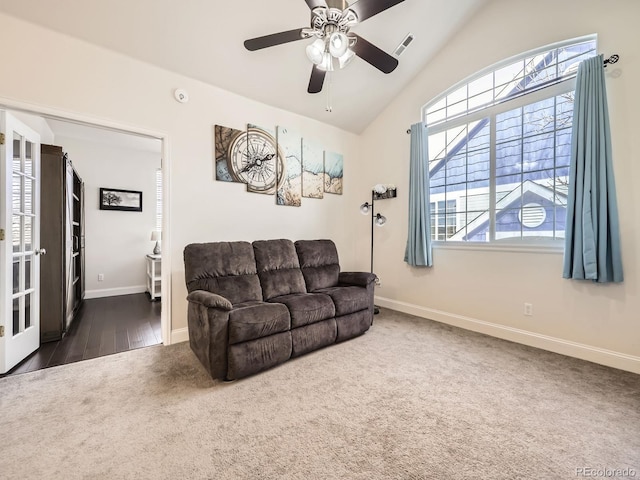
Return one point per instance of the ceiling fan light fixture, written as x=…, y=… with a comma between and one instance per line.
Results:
x=333, y=46
x=316, y=51
x=338, y=44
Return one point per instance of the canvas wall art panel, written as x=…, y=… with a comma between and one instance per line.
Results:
x=333, y=170
x=312, y=170
x=253, y=159
x=290, y=188
x=225, y=137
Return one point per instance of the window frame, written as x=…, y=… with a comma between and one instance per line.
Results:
x=158, y=202
x=560, y=86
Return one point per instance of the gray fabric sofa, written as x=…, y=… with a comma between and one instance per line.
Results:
x=254, y=306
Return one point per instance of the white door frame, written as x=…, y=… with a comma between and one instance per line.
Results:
x=57, y=114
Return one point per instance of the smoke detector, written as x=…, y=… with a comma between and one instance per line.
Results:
x=181, y=95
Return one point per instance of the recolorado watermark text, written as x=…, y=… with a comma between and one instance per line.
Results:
x=605, y=472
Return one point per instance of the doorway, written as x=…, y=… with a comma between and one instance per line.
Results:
x=118, y=314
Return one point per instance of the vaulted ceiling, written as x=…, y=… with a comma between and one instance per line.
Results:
x=203, y=39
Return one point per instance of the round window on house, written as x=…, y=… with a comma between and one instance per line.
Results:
x=532, y=215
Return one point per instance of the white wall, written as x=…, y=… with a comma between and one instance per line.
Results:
x=485, y=290
x=38, y=124
x=115, y=242
x=89, y=81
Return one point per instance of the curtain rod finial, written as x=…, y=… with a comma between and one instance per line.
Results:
x=612, y=59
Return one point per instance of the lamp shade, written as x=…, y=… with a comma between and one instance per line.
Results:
x=315, y=51
x=365, y=208
x=345, y=59
x=338, y=44
x=155, y=235
x=380, y=220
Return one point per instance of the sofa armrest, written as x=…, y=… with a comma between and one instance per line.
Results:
x=208, y=324
x=361, y=279
x=209, y=300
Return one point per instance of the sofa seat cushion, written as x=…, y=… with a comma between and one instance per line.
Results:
x=252, y=320
x=348, y=299
x=307, y=308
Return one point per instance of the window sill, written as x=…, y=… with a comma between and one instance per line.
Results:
x=553, y=248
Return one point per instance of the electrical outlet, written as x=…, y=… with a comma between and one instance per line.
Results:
x=101, y=277
x=528, y=309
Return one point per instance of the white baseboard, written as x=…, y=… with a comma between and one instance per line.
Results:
x=602, y=356
x=179, y=335
x=114, y=292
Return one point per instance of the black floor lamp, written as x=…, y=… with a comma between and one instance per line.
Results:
x=379, y=192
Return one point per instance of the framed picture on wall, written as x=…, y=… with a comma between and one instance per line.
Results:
x=124, y=200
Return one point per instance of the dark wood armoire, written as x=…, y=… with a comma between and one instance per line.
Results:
x=62, y=281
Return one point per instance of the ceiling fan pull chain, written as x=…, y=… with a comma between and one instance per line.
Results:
x=328, y=108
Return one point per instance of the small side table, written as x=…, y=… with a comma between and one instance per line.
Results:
x=154, y=277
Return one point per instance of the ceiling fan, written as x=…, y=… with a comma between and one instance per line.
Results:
x=334, y=45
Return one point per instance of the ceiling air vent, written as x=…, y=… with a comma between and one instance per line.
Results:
x=403, y=45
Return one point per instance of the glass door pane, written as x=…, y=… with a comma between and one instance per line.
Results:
x=16, y=316
x=22, y=209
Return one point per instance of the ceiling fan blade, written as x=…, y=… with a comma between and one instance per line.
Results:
x=368, y=8
x=316, y=80
x=273, y=39
x=315, y=3
x=373, y=55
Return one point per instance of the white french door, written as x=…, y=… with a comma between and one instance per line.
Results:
x=19, y=241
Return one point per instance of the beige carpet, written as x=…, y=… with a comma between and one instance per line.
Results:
x=411, y=399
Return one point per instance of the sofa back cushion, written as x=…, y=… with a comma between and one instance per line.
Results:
x=319, y=263
x=225, y=268
x=278, y=268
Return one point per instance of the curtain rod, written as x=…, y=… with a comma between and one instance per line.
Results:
x=607, y=61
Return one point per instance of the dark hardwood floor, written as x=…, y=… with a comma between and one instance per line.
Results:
x=102, y=326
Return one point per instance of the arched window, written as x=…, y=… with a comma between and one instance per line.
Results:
x=499, y=148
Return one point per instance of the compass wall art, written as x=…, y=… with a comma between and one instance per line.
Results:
x=276, y=162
